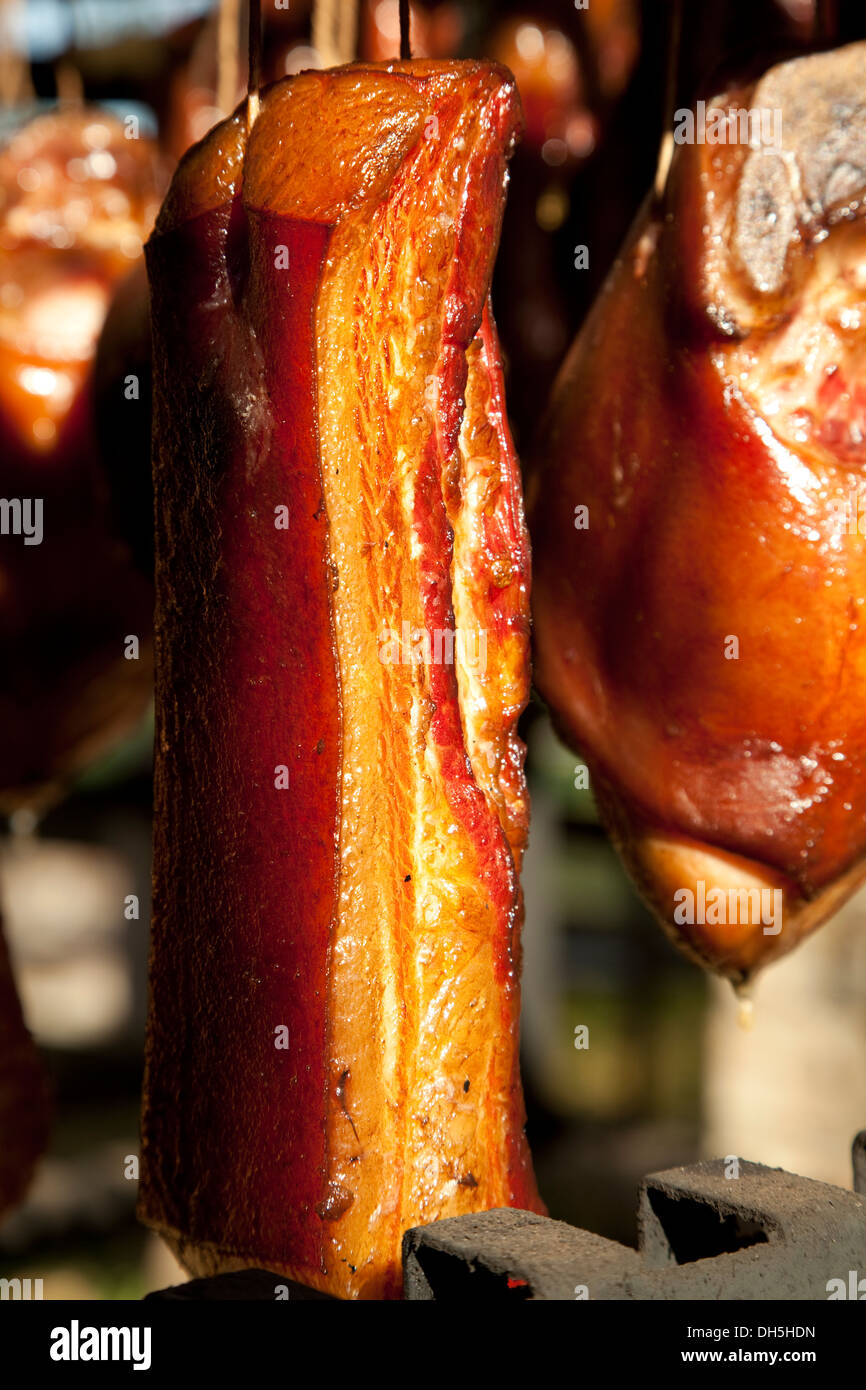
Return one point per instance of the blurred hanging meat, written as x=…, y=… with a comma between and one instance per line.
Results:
x=571, y=67
x=698, y=518
x=77, y=197
x=591, y=83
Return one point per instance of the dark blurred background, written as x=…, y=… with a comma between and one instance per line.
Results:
x=667, y=1076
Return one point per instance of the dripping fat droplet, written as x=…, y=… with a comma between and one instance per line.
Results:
x=745, y=1006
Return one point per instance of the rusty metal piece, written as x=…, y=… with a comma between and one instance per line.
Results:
x=509, y=1254
x=725, y=1229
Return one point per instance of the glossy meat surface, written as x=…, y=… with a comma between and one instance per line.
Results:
x=701, y=639
x=319, y=315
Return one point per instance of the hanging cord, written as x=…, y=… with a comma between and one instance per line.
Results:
x=335, y=31
x=666, y=148
x=254, y=78
x=228, y=57
x=825, y=23
x=16, y=86
x=405, y=17
x=69, y=84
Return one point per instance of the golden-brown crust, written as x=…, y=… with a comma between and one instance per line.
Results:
x=375, y=909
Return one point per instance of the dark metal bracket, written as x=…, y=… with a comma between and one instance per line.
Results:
x=715, y=1230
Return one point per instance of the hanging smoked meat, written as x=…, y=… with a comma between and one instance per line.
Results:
x=342, y=656
x=698, y=515
x=77, y=199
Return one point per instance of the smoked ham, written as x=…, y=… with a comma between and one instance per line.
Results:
x=696, y=509
x=342, y=656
